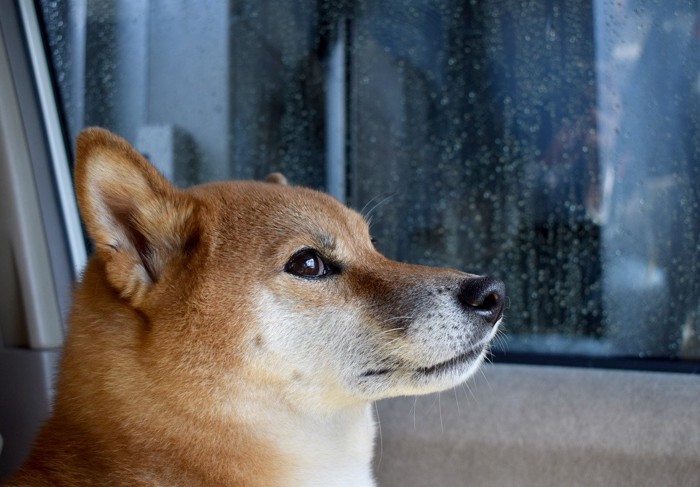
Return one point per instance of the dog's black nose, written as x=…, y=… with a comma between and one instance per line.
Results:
x=484, y=296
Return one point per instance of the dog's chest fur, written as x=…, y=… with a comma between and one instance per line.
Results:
x=327, y=450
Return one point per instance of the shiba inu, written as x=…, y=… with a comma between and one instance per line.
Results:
x=236, y=333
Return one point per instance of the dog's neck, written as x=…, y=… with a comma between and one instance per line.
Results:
x=322, y=448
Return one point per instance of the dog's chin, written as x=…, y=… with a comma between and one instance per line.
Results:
x=447, y=374
x=414, y=380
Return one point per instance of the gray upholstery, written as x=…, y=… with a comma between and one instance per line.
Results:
x=540, y=426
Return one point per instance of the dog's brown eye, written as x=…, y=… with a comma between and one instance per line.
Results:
x=307, y=263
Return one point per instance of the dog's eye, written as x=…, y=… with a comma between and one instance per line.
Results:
x=307, y=263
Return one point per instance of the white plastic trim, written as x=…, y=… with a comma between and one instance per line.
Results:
x=54, y=135
x=26, y=232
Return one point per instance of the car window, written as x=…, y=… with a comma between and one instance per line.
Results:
x=553, y=143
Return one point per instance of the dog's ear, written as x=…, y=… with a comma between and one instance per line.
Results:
x=138, y=221
x=277, y=178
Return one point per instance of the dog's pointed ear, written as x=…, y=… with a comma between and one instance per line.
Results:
x=276, y=178
x=138, y=221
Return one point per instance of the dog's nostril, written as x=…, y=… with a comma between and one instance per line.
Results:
x=484, y=296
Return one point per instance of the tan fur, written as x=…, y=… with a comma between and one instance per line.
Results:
x=193, y=358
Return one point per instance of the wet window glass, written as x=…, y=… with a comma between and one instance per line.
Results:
x=554, y=143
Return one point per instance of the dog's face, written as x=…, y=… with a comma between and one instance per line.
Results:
x=334, y=315
x=277, y=284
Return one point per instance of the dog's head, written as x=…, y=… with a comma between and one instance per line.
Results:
x=276, y=285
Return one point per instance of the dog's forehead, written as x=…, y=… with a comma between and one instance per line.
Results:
x=286, y=211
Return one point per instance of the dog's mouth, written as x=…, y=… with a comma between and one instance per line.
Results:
x=469, y=356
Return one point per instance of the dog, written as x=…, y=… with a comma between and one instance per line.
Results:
x=236, y=333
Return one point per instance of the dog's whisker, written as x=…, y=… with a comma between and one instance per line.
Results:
x=391, y=342
x=488, y=384
x=381, y=439
x=501, y=340
x=368, y=215
x=459, y=410
x=370, y=222
x=398, y=328
x=369, y=202
x=415, y=405
x=465, y=388
x=432, y=405
x=394, y=318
